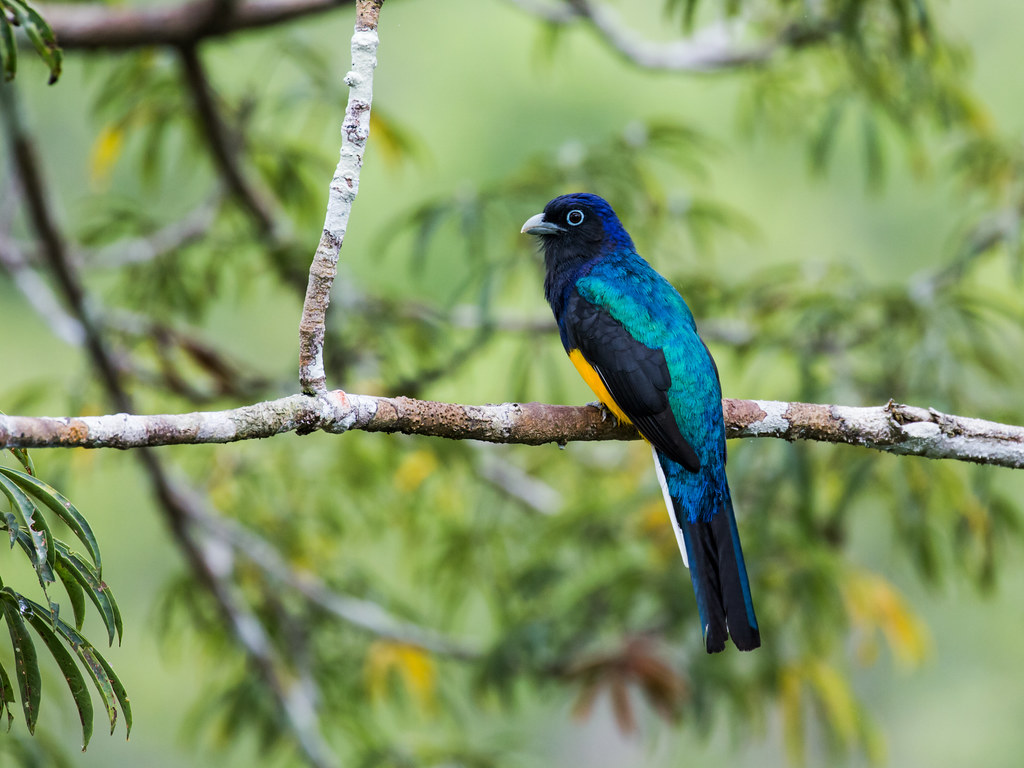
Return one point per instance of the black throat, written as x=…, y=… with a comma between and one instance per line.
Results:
x=566, y=260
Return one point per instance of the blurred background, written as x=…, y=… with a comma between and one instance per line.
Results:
x=843, y=218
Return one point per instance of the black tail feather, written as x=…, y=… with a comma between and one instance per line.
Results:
x=719, y=578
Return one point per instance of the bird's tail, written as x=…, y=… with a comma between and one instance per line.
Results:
x=712, y=551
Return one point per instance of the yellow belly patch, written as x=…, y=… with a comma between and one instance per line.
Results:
x=594, y=382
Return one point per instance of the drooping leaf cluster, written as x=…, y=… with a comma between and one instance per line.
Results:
x=17, y=14
x=26, y=496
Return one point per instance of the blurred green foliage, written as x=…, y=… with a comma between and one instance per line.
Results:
x=557, y=573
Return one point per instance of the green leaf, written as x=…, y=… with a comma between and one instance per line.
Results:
x=22, y=455
x=40, y=35
x=74, y=677
x=6, y=696
x=26, y=665
x=106, y=683
x=24, y=538
x=8, y=49
x=13, y=527
x=74, y=590
x=61, y=507
x=119, y=692
x=874, y=155
x=37, y=527
x=98, y=591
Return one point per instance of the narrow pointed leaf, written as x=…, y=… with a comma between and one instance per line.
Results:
x=72, y=674
x=40, y=35
x=27, y=543
x=13, y=528
x=46, y=44
x=96, y=666
x=61, y=507
x=26, y=665
x=98, y=592
x=23, y=457
x=119, y=692
x=8, y=49
x=74, y=590
x=35, y=524
x=6, y=696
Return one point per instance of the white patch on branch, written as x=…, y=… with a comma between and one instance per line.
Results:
x=774, y=420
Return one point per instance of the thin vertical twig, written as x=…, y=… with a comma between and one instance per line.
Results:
x=344, y=186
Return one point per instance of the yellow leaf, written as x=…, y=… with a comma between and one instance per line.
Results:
x=104, y=154
x=874, y=604
x=414, y=469
x=834, y=694
x=412, y=665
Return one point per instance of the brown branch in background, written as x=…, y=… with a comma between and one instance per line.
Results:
x=893, y=428
x=174, y=498
x=179, y=352
x=344, y=186
x=94, y=25
x=222, y=147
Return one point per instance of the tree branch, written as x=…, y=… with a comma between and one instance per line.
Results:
x=893, y=428
x=344, y=186
x=712, y=49
x=38, y=294
x=222, y=148
x=94, y=26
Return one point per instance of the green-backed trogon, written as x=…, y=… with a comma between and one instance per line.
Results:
x=633, y=339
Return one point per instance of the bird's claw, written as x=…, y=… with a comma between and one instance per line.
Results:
x=605, y=412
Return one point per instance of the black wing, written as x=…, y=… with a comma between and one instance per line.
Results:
x=637, y=377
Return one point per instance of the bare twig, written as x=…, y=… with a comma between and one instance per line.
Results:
x=98, y=26
x=344, y=186
x=893, y=428
x=714, y=48
x=39, y=295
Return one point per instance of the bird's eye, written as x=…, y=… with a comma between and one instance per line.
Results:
x=575, y=217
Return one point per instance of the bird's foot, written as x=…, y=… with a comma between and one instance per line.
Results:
x=605, y=411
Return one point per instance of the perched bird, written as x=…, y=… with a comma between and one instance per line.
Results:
x=633, y=340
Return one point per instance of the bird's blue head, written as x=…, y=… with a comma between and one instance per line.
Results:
x=575, y=231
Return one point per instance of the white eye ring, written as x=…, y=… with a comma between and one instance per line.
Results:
x=574, y=217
